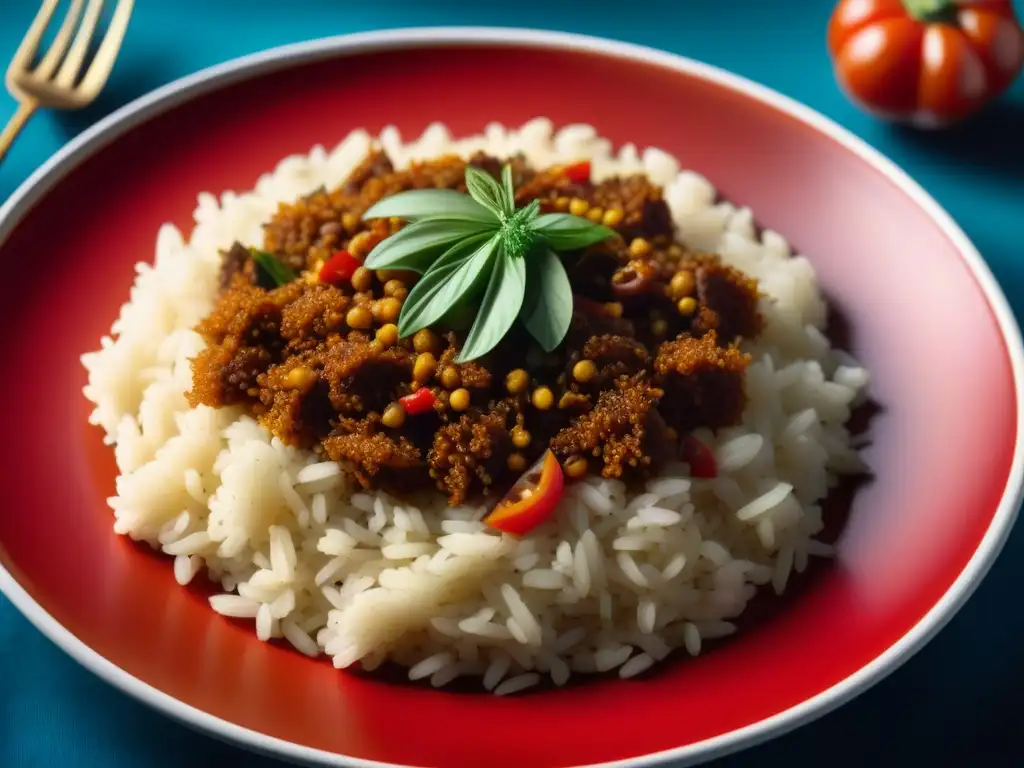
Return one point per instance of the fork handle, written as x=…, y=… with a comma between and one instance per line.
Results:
x=15, y=124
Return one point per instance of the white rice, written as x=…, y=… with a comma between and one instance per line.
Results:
x=636, y=665
x=517, y=684
x=615, y=582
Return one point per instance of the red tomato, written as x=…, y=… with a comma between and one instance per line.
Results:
x=929, y=62
x=532, y=499
x=339, y=268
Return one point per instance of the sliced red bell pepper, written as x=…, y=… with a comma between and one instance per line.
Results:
x=420, y=401
x=700, y=458
x=532, y=499
x=339, y=268
x=578, y=173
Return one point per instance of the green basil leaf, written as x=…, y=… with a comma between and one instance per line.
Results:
x=441, y=269
x=506, y=181
x=418, y=203
x=416, y=246
x=499, y=308
x=530, y=212
x=279, y=272
x=485, y=190
x=547, y=308
x=460, y=272
x=565, y=232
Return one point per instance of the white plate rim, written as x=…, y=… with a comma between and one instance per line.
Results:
x=187, y=88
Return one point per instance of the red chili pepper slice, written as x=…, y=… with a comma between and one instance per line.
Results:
x=700, y=458
x=339, y=268
x=420, y=401
x=532, y=499
x=578, y=173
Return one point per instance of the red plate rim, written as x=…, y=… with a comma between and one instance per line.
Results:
x=184, y=89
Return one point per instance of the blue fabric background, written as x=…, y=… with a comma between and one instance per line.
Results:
x=956, y=701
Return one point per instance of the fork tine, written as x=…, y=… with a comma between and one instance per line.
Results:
x=23, y=56
x=103, y=61
x=60, y=42
x=73, y=63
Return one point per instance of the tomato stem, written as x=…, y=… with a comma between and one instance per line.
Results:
x=931, y=10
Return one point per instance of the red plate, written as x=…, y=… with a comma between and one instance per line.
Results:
x=927, y=318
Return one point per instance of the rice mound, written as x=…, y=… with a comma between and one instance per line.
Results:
x=618, y=580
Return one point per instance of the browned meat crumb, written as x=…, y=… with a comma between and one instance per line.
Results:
x=243, y=333
x=575, y=402
x=362, y=376
x=315, y=314
x=234, y=309
x=590, y=271
x=373, y=456
x=646, y=213
x=472, y=375
x=470, y=452
x=703, y=382
x=234, y=261
x=732, y=296
x=228, y=375
x=377, y=163
x=617, y=431
x=591, y=318
x=616, y=356
x=706, y=319
x=296, y=400
x=548, y=185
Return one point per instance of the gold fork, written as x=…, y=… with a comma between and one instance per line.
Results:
x=39, y=86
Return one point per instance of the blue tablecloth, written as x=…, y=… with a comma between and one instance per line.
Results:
x=953, y=702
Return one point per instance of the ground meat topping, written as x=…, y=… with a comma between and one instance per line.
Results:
x=703, y=382
x=362, y=375
x=374, y=457
x=314, y=315
x=471, y=375
x=733, y=297
x=652, y=352
x=243, y=333
x=471, y=450
x=617, y=431
x=296, y=400
x=235, y=261
x=616, y=356
x=376, y=164
x=645, y=212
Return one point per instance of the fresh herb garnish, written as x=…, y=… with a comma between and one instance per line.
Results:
x=478, y=252
x=278, y=272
